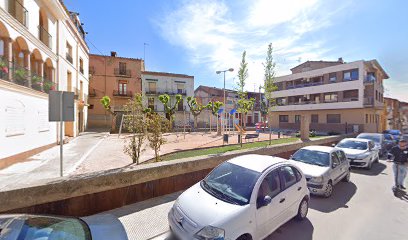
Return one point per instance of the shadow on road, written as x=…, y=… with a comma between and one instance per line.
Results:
x=293, y=230
x=342, y=194
x=375, y=170
x=401, y=195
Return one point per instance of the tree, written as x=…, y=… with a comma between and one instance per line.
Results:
x=106, y=103
x=195, y=108
x=135, y=123
x=214, y=108
x=169, y=109
x=244, y=104
x=269, y=85
x=157, y=125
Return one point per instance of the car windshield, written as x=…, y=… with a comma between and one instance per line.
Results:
x=352, y=144
x=374, y=138
x=395, y=132
x=46, y=228
x=231, y=183
x=312, y=157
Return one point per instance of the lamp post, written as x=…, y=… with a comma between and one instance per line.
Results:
x=223, y=71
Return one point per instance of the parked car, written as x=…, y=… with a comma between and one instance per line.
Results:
x=323, y=167
x=360, y=152
x=391, y=140
x=395, y=133
x=262, y=190
x=41, y=227
x=381, y=143
x=261, y=126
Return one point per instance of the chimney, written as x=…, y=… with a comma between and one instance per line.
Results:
x=340, y=60
x=113, y=54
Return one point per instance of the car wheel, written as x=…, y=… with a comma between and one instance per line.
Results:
x=303, y=209
x=328, y=191
x=347, y=177
x=245, y=237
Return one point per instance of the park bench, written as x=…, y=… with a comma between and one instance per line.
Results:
x=251, y=136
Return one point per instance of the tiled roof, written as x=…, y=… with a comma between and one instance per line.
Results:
x=128, y=58
x=167, y=74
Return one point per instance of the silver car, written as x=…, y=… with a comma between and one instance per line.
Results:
x=40, y=227
x=323, y=167
x=360, y=152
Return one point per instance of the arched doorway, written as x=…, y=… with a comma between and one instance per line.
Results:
x=37, y=70
x=49, y=82
x=4, y=45
x=21, y=62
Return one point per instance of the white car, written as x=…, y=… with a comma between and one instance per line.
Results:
x=360, y=152
x=247, y=197
x=323, y=167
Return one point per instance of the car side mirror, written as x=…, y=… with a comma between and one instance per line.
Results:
x=334, y=165
x=333, y=144
x=266, y=201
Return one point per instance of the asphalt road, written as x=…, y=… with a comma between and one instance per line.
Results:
x=365, y=208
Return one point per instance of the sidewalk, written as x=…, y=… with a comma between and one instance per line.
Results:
x=47, y=164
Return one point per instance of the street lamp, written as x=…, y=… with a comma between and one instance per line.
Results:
x=223, y=71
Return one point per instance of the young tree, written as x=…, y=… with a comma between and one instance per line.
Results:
x=169, y=109
x=269, y=85
x=195, y=108
x=214, y=108
x=106, y=103
x=244, y=104
x=135, y=123
x=157, y=125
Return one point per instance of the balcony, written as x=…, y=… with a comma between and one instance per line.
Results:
x=122, y=72
x=69, y=58
x=151, y=91
x=302, y=85
x=369, y=80
x=369, y=101
x=18, y=11
x=81, y=70
x=117, y=93
x=44, y=36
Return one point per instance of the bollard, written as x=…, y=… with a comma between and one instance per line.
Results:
x=279, y=134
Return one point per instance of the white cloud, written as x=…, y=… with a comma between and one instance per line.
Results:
x=215, y=34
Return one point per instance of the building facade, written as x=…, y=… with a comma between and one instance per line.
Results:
x=113, y=76
x=42, y=48
x=336, y=96
x=206, y=94
x=155, y=84
x=395, y=114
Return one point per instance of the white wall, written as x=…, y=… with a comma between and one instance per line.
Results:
x=24, y=121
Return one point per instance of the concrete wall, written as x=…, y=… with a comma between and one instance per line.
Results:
x=24, y=122
x=87, y=194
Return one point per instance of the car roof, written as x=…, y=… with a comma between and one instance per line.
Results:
x=320, y=148
x=372, y=134
x=255, y=162
x=357, y=139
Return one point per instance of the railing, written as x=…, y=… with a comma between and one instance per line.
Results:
x=304, y=85
x=44, y=36
x=369, y=101
x=81, y=70
x=69, y=58
x=122, y=93
x=370, y=79
x=151, y=91
x=352, y=99
x=122, y=72
x=18, y=11
x=181, y=91
x=20, y=75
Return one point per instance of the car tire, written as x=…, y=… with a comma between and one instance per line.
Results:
x=347, y=177
x=245, y=237
x=303, y=209
x=328, y=191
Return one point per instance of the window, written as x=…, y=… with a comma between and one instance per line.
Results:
x=335, y=159
x=330, y=97
x=122, y=68
x=1, y=47
x=69, y=53
x=270, y=186
x=180, y=89
x=342, y=156
x=298, y=174
x=122, y=87
x=150, y=103
x=81, y=65
x=283, y=118
x=371, y=77
x=332, y=77
x=351, y=95
x=180, y=106
x=315, y=118
x=280, y=101
x=152, y=87
x=350, y=75
x=366, y=118
x=297, y=118
x=91, y=106
x=333, y=118
x=288, y=177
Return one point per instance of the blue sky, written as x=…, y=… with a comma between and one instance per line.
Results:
x=198, y=37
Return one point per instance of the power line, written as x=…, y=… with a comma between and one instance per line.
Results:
x=94, y=46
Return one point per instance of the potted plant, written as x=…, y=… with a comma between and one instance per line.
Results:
x=20, y=76
x=3, y=67
x=48, y=85
x=36, y=82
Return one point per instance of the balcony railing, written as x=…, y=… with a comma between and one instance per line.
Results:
x=370, y=79
x=122, y=72
x=151, y=91
x=81, y=70
x=119, y=93
x=69, y=58
x=310, y=84
x=44, y=36
x=369, y=101
x=165, y=91
x=18, y=11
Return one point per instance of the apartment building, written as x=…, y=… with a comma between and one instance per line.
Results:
x=113, y=76
x=42, y=48
x=337, y=96
x=155, y=84
x=205, y=94
x=395, y=114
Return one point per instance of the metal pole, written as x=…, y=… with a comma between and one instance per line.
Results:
x=61, y=138
x=225, y=108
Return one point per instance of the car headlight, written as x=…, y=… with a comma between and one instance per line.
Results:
x=316, y=179
x=210, y=233
x=362, y=156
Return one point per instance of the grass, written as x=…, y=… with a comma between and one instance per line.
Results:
x=224, y=149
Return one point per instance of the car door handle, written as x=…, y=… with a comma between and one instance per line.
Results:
x=282, y=200
x=299, y=188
